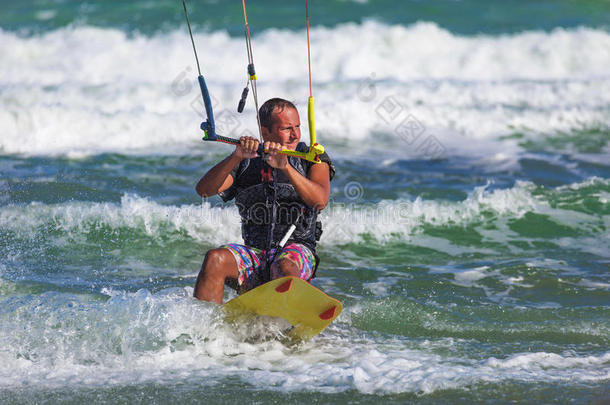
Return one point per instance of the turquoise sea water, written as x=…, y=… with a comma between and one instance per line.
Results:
x=467, y=233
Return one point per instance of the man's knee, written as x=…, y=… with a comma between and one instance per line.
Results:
x=285, y=267
x=218, y=262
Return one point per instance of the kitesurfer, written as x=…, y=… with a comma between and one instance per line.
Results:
x=271, y=193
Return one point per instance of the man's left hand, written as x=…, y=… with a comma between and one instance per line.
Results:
x=275, y=159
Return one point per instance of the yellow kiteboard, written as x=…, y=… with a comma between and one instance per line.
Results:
x=308, y=309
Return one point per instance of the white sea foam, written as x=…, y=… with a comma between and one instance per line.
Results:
x=590, y=182
x=82, y=90
x=164, y=337
x=142, y=337
x=588, y=284
x=202, y=223
x=217, y=224
x=383, y=286
x=93, y=56
x=391, y=220
x=387, y=221
x=546, y=360
x=469, y=276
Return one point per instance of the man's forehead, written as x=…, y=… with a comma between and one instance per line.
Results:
x=280, y=109
x=280, y=113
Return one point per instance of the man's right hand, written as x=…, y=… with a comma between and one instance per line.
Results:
x=247, y=148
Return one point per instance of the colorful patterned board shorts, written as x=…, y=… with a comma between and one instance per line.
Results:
x=249, y=262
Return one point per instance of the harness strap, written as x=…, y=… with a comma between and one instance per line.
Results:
x=267, y=176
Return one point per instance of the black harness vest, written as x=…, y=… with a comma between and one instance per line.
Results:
x=260, y=190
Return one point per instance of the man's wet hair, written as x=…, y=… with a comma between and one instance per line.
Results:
x=265, y=112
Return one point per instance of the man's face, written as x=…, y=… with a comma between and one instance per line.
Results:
x=286, y=128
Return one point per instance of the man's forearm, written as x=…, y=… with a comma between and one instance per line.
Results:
x=211, y=182
x=311, y=192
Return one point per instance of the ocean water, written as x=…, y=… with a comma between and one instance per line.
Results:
x=467, y=234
